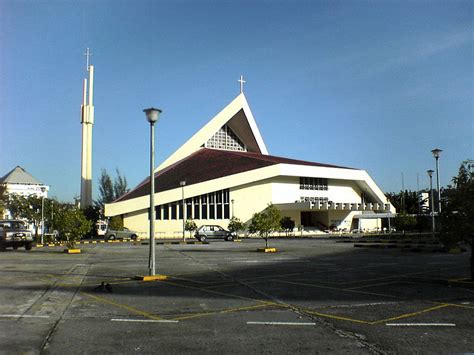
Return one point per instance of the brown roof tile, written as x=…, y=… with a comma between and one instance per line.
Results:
x=208, y=164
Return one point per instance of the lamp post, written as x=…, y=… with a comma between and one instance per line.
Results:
x=43, y=189
x=152, y=115
x=182, y=184
x=436, y=153
x=430, y=174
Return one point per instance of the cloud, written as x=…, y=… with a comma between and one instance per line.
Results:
x=416, y=52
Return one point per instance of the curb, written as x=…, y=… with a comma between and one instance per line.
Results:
x=175, y=243
x=83, y=242
x=266, y=250
x=72, y=251
x=151, y=277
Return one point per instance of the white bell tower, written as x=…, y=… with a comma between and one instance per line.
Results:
x=87, y=120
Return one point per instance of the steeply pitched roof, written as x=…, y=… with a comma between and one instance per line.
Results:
x=238, y=116
x=208, y=164
x=19, y=176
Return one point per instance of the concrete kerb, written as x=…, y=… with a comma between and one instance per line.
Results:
x=173, y=242
x=83, y=242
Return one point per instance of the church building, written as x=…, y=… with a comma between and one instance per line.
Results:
x=225, y=170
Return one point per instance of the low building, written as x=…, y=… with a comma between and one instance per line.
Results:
x=19, y=181
x=228, y=172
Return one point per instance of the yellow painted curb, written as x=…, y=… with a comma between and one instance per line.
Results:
x=267, y=250
x=94, y=242
x=237, y=240
x=101, y=241
x=39, y=245
x=151, y=277
x=51, y=245
x=72, y=251
x=455, y=251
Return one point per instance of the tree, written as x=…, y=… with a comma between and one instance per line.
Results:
x=236, y=225
x=405, y=201
x=120, y=185
x=3, y=199
x=106, y=188
x=190, y=226
x=458, y=213
x=25, y=207
x=265, y=222
x=287, y=224
x=111, y=190
x=404, y=222
x=116, y=223
x=71, y=224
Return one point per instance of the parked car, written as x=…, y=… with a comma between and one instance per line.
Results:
x=213, y=232
x=14, y=233
x=124, y=233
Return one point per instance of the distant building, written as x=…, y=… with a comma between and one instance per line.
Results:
x=19, y=181
x=228, y=172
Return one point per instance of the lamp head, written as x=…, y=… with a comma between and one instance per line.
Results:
x=182, y=183
x=430, y=173
x=436, y=152
x=152, y=114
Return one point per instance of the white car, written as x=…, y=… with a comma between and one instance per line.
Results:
x=14, y=233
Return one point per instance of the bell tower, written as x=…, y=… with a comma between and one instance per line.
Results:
x=87, y=120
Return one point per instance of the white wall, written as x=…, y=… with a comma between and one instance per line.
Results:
x=286, y=189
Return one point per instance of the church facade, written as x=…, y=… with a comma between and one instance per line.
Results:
x=227, y=171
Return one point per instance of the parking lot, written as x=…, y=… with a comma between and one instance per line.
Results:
x=313, y=296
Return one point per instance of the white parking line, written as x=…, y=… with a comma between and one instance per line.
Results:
x=421, y=324
x=144, y=320
x=280, y=323
x=20, y=316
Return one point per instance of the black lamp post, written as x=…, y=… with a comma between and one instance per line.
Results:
x=436, y=153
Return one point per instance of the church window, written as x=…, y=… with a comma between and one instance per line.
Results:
x=189, y=208
x=173, y=211
x=219, y=204
x=204, y=206
x=166, y=212
x=212, y=212
x=196, y=207
x=226, y=139
x=180, y=210
x=226, y=204
x=310, y=183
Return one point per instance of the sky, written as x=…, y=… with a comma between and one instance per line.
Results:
x=374, y=85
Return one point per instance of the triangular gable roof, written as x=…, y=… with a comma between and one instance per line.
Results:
x=19, y=176
x=209, y=164
x=238, y=116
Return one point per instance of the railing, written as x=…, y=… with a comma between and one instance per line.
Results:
x=349, y=206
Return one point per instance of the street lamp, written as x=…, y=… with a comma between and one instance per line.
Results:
x=43, y=189
x=182, y=184
x=436, y=153
x=152, y=115
x=430, y=174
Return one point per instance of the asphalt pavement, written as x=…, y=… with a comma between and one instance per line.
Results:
x=312, y=296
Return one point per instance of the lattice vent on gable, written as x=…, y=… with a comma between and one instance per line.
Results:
x=226, y=139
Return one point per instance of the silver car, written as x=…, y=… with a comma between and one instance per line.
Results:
x=209, y=231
